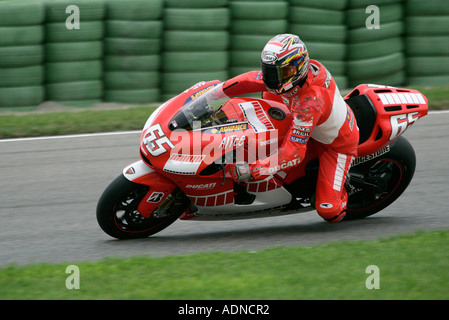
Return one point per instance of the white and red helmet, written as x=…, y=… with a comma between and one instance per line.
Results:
x=285, y=63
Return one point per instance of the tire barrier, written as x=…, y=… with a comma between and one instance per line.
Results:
x=427, y=42
x=321, y=25
x=375, y=53
x=146, y=51
x=74, y=57
x=21, y=54
x=253, y=24
x=195, y=44
x=132, y=48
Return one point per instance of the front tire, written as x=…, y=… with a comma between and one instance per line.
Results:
x=117, y=212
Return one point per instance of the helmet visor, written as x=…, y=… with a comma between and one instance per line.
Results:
x=275, y=76
x=271, y=76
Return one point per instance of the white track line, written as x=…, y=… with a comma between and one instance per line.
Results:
x=87, y=135
x=71, y=136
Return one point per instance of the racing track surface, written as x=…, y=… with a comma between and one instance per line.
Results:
x=49, y=189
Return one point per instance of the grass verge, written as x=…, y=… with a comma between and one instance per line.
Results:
x=410, y=267
x=133, y=118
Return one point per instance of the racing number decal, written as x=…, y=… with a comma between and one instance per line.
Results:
x=400, y=123
x=155, y=140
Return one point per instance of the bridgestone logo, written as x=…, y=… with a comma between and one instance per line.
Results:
x=372, y=156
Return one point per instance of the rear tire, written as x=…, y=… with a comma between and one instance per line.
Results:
x=117, y=212
x=391, y=172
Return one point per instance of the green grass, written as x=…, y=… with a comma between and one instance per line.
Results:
x=133, y=118
x=69, y=122
x=413, y=267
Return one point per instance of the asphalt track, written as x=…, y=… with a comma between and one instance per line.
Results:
x=49, y=188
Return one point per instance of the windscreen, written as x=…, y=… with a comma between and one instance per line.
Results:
x=202, y=112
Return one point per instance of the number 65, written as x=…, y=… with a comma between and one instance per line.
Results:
x=155, y=140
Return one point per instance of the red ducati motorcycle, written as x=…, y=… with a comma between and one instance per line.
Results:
x=188, y=143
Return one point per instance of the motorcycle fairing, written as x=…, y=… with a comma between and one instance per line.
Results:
x=160, y=186
x=394, y=111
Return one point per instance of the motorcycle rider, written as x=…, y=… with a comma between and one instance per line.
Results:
x=319, y=112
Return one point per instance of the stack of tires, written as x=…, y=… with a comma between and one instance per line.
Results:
x=321, y=25
x=21, y=54
x=195, y=44
x=375, y=51
x=427, y=42
x=74, y=53
x=254, y=23
x=132, y=51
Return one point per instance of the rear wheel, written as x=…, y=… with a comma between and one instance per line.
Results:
x=377, y=183
x=118, y=216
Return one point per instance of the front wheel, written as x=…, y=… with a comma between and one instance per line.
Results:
x=118, y=216
x=377, y=183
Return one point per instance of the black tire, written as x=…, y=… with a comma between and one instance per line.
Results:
x=124, y=195
x=393, y=169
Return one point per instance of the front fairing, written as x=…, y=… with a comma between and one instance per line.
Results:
x=196, y=133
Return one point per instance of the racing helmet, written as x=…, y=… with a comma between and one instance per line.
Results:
x=285, y=63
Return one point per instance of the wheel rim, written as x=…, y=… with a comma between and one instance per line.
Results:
x=387, y=175
x=128, y=219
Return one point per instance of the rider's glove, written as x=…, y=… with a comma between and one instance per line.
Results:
x=240, y=172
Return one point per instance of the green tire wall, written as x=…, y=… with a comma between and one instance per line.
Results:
x=427, y=42
x=132, y=51
x=253, y=25
x=147, y=51
x=22, y=73
x=321, y=26
x=74, y=57
x=375, y=55
x=195, y=44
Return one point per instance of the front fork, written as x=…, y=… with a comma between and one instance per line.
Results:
x=160, y=186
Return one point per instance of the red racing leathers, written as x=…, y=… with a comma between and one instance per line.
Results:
x=319, y=113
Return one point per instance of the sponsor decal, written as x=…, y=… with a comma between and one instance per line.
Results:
x=326, y=205
x=302, y=123
x=201, y=186
x=187, y=158
x=350, y=118
x=289, y=94
x=131, y=170
x=401, y=98
x=256, y=116
x=200, y=92
x=268, y=142
x=327, y=82
x=232, y=141
x=155, y=197
x=227, y=128
x=298, y=139
x=183, y=163
x=268, y=56
x=369, y=157
x=284, y=165
x=302, y=128
x=301, y=133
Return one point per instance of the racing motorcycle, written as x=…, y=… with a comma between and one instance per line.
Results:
x=189, y=142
